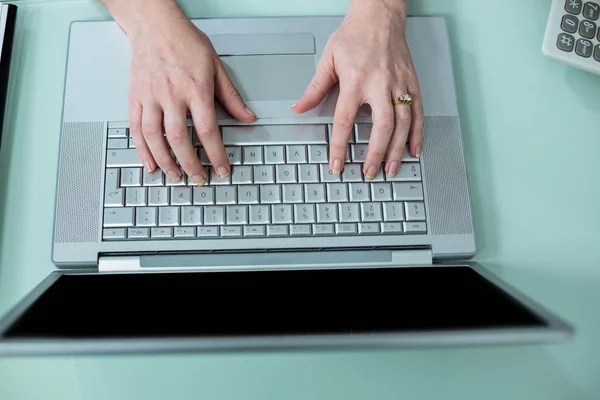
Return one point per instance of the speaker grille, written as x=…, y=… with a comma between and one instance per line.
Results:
x=446, y=178
x=79, y=183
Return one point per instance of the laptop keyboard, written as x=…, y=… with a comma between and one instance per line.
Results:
x=280, y=185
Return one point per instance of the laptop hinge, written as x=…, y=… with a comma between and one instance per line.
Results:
x=266, y=260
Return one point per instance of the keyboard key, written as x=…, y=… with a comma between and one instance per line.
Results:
x=327, y=174
x=415, y=211
x=117, y=144
x=226, y=194
x=122, y=158
x=234, y=154
x=407, y=191
x=158, y=196
x=337, y=192
x=314, y=193
x=349, y=212
x=264, y=174
x=157, y=178
x=215, y=179
x=317, y=154
x=237, y=215
x=286, y=173
x=248, y=194
x=270, y=194
x=214, y=215
x=191, y=216
x=381, y=191
x=131, y=143
x=260, y=215
x=408, y=172
x=370, y=212
x=573, y=6
x=322, y=229
x=161, y=233
x=254, y=230
x=393, y=212
x=231, y=231
x=308, y=173
x=587, y=29
x=346, y=229
x=182, y=196
x=296, y=154
x=274, y=155
x=168, y=216
x=111, y=179
x=131, y=177
x=207, y=231
x=597, y=49
x=181, y=182
x=118, y=132
x=352, y=173
x=114, y=217
x=569, y=23
x=368, y=228
x=253, y=155
x=391, y=227
x=277, y=230
x=415, y=227
x=185, y=232
x=363, y=132
x=300, y=230
x=359, y=192
x=241, y=175
x=282, y=214
x=304, y=213
x=113, y=234
x=591, y=10
x=203, y=195
x=138, y=233
x=146, y=216
x=584, y=48
x=293, y=193
x=244, y=135
x=359, y=153
x=114, y=198
x=327, y=213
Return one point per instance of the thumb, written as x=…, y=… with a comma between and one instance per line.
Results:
x=318, y=87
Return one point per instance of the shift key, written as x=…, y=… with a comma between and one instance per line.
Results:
x=122, y=158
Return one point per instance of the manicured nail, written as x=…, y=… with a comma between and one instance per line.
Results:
x=372, y=172
x=419, y=150
x=293, y=105
x=337, y=166
x=222, y=171
x=174, y=176
x=393, y=170
x=199, y=180
x=147, y=167
x=249, y=111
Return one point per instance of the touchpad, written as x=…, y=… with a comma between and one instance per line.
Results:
x=270, y=78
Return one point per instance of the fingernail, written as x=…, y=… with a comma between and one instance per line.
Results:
x=147, y=167
x=372, y=172
x=419, y=150
x=293, y=105
x=173, y=176
x=222, y=171
x=249, y=111
x=199, y=180
x=393, y=170
x=337, y=166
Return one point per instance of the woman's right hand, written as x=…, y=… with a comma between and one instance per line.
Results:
x=174, y=68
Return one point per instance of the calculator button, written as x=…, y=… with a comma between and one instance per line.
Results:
x=569, y=23
x=587, y=29
x=591, y=10
x=573, y=6
x=584, y=48
x=598, y=37
x=597, y=53
x=565, y=42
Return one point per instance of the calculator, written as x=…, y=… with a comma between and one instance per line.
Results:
x=573, y=34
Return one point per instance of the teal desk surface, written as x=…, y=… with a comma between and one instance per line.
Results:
x=532, y=139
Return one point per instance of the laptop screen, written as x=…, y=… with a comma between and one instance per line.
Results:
x=220, y=304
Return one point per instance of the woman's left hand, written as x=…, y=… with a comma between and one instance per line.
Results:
x=369, y=57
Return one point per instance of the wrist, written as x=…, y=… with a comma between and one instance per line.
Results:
x=394, y=9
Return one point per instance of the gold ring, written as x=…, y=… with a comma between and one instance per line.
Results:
x=404, y=99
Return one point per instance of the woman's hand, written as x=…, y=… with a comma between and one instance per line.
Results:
x=175, y=69
x=370, y=58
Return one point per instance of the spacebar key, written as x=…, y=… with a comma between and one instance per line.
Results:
x=245, y=135
x=122, y=158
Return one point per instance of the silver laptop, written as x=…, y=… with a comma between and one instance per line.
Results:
x=283, y=255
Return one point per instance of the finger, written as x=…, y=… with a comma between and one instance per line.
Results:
x=382, y=112
x=346, y=109
x=229, y=96
x=415, y=135
x=135, y=130
x=181, y=143
x=153, y=135
x=202, y=108
x=319, y=86
x=398, y=140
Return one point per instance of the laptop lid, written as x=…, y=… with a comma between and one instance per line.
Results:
x=8, y=13
x=438, y=305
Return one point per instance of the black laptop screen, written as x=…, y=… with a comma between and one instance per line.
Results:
x=270, y=303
